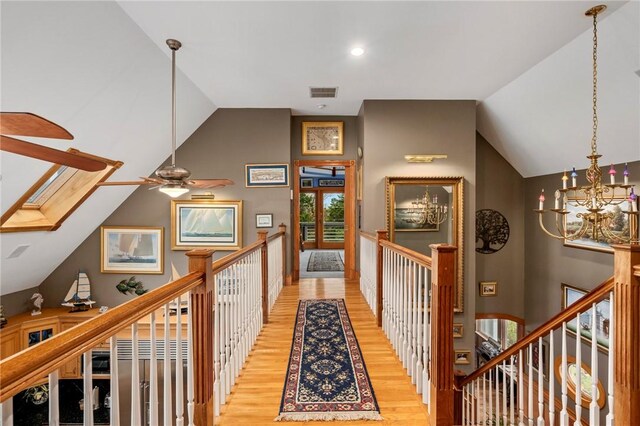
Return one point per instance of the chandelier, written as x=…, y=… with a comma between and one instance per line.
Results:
x=425, y=210
x=598, y=207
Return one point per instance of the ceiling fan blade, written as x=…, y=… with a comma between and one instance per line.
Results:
x=127, y=182
x=51, y=155
x=153, y=180
x=208, y=183
x=27, y=124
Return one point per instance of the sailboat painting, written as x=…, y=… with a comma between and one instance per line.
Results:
x=206, y=223
x=136, y=250
x=78, y=297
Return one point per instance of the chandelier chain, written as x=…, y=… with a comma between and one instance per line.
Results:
x=594, y=143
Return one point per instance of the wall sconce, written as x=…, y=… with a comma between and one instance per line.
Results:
x=423, y=158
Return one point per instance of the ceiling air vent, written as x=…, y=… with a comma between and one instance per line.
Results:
x=323, y=92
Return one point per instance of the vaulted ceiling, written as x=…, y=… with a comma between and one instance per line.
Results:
x=102, y=70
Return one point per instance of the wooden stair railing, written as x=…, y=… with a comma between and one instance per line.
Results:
x=489, y=394
x=413, y=300
x=225, y=302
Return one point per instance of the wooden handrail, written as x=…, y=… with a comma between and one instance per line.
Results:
x=229, y=259
x=274, y=236
x=27, y=367
x=554, y=323
x=419, y=258
x=368, y=235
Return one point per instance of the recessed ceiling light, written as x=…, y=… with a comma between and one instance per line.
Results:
x=357, y=51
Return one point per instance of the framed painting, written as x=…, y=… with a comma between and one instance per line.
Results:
x=619, y=225
x=458, y=330
x=462, y=357
x=266, y=175
x=306, y=182
x=570, y=295
x=488, y=288
x=206, y=223
x=131, y=250
x=411, y=220
x=322, y=137
x=264, y=220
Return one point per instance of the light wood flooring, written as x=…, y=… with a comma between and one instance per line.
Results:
x=255, y=399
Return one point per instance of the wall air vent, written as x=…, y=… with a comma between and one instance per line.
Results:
x=323, y=92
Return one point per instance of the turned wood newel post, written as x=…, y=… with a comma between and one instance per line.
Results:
x=202, y=299
x=283, y=228
x=443, y=277
x=626, y=311
x=381, y=235
x=262, y=236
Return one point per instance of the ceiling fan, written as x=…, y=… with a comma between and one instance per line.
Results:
x=28, y=124
x=173, y=180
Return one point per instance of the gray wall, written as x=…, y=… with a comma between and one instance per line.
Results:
x=221, y=147
x=392, y=129
x=500, y=187
x=18, y=302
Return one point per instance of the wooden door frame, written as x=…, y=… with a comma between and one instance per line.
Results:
x=349, y=214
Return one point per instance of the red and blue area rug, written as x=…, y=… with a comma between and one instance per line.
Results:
x=326, y=378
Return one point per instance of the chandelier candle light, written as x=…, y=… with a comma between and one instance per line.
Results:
x=593, y=198
x=426, y=210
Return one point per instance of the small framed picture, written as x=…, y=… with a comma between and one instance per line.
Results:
x=462, y=357
x=331, y=182
x=264, y=220
x=488, y=288
x=266, y=175
x=131, y=250
x=322, y=138
x=458, y=330
x=306, y=182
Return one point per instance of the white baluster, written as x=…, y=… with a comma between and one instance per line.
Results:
x=414, y=324
x=578, y=395
x=497, y=372
x=408, y=316
x=594, y=408
x=114, y=411
x=135, y=378
x=610, y=360
x=179, y=367
x=552, y=381
x=167, y=392
x=540, y=383
x=473, y=403
x=217, y=338
x=88, y=388
x=484, y=398
x=504, y=392
x=54, y=399
x=228, y=332
x=489, y=394
x=520, y=388
x=419, y=329
x=153, y=372
x=530, y=385
x=6, y=412
x=512, y=401
x=190, y=367
x=564, y=414
x=465, y=405
x=426, y=341
x=234, y=322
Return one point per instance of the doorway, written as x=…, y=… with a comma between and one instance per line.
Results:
x=324, y=214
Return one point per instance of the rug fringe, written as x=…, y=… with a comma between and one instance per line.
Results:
x=327, y=417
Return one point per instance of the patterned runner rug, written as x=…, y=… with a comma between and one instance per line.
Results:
x=325, y=261
x=326, y=378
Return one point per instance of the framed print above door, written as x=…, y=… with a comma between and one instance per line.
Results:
x=266, y=175
x=322, y=137
x=206, y=223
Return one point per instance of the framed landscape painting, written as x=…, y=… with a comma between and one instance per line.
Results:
x=206, y=223
x=620, y=225
x=266, y=175
x=131, y=250
x=571, y=295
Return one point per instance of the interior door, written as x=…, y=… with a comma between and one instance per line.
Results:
x=308, y=219
x=330, y=221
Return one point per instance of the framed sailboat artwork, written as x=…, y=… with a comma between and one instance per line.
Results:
x=206, y=223
x=129, y=249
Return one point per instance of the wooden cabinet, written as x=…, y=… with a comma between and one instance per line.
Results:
x=9, y=342
x=70, y=370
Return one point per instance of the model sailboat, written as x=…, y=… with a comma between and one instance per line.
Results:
x=79, y=296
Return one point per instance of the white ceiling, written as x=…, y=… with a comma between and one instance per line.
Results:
x=102, y=70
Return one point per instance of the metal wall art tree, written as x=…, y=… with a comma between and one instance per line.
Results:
x=492, y=231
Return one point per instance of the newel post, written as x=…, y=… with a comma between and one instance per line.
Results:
x=283, y=228
x=443, y=279
x=381, y=236
x=262, y=236
x=626, y=312
x=202, y=299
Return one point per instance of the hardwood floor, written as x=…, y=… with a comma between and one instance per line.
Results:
x=255, y=399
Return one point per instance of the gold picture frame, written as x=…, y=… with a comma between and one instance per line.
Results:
x=131, y=250
x=488, y=288
x=322, y=138
x=462, y=357
x=458, y=330
x=206, y=223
